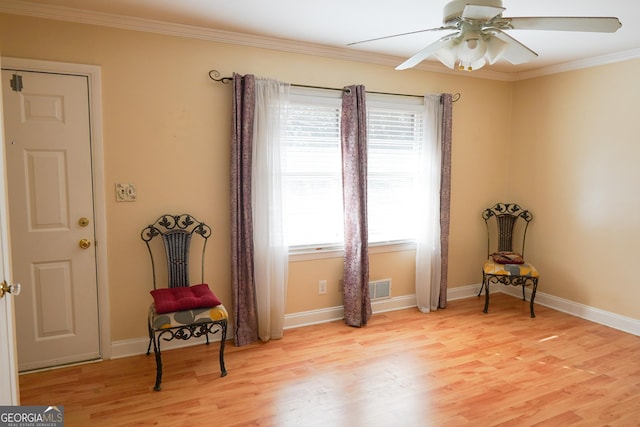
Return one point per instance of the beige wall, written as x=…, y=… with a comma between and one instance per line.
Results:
x=167, y=129
x=574, y=158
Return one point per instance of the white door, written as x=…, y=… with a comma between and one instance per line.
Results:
x=48, y=152
x=8, y=368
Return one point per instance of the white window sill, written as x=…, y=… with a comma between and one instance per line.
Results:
x=297, y=255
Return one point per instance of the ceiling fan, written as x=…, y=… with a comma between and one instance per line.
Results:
x=480, y=36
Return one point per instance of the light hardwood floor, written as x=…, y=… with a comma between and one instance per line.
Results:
x=453, y=367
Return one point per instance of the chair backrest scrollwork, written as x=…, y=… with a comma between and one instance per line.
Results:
x=506, y=216
x=176, y=232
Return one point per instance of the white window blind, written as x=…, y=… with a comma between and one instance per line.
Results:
x=313, y=168
x=394, y=131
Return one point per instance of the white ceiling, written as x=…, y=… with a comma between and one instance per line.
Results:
x=332, y=24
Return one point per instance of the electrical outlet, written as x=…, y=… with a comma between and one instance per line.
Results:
x=322, y=287
x=125, y=193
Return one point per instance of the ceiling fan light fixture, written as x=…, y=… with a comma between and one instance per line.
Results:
x=448, y=54
x=447, y=57
x=470, y=66
x=472, y=44
x=495, y=48
x=471, y=51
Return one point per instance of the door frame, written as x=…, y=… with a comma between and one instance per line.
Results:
x=9, y=393
x=93, y=74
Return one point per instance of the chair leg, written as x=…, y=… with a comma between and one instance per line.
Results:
x=482, y=287
x=533, y=296
x=156, y=350
x=485, y=284
x=150, y=339
x=223, y=338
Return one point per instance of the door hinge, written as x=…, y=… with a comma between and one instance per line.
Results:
x=16, y=83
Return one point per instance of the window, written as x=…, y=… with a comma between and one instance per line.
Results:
x=394, y=132
x=312, y=168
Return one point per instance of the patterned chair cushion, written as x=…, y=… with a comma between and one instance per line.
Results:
x=507, y=258
x=185, y=317
x=167, y=300
x=497, y=269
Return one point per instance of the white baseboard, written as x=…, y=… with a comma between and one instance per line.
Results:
x=592, y=314
x=138, y=346
x=596, y=315
x=313, y=317
x=468, y=291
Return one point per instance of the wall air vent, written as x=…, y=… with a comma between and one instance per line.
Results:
x=380, y=289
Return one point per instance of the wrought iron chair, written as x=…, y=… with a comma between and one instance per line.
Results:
x=181, y=310
x=506, y=223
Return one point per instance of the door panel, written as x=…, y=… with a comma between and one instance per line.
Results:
x=53, y=300
x=48, y=148
x=47, y=197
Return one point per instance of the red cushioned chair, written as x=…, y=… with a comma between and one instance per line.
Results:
x=507, y=225
x=181, y=310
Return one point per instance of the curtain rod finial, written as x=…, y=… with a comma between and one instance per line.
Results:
x=215, y=76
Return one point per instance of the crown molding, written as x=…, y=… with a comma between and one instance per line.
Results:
x=62, y=13
x=581, y=64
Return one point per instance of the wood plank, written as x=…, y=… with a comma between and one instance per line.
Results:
x=456, y=366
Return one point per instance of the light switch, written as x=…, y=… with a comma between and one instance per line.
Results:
x=125, y=193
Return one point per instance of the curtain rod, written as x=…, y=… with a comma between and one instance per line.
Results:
x=215, y=76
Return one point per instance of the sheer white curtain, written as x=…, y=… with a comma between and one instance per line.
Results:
x=270, y=253
x=428, y=251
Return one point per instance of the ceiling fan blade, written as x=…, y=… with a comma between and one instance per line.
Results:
x=558, y=23
x=428, y=51
x=514, y=51
x=478, y=12
x=403, y=34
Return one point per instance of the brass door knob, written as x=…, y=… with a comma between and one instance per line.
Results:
x=84, y=243
x=9, y=289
